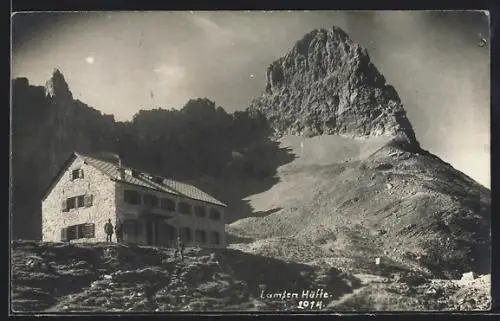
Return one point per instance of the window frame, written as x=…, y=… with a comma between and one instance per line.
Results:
x=129, y=192
x=77, y=232
x=197, y=212
x=71, y=203
x=215, y=214
x=171, y=232
x=186, y=237
x=133, y=227
x=199, y=233
x=147, y=200
x=85, y=225
x=166, y=200
x=78, y=172
x=80, y=201
x=76, y=202
x=188, y=206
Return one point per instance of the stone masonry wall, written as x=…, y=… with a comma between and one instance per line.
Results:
x=103, y=204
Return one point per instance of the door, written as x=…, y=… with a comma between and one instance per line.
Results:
x=156, y=234
x=150, y=232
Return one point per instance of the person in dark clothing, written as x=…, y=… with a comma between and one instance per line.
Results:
x=119, y=231
x=108, y=228
x=180, y=248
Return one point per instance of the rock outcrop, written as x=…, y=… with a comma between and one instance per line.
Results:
x=47, y=125
x=57, y=87
x=56, y=277
x=327, y=85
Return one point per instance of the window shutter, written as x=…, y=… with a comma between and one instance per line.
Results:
x=78, y=231
x=80, y=173
x=88, y=200
x=89, y=230
x=64, y=234
x=71, y=232
x=71, y=175
x=64, y=205
x=83, y=230
x=86, y=230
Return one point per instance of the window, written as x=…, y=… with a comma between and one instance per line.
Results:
x=171, y=232
x=75, y=232
x=185, y=234
x=214, y=238
x=87, y=230
x=184, y=208
x=132, y=197
x=150, y=200
x=80, y=201
x=76, y=202
x=71, y=203
x=76, y=174
x=71, y=233
x=214, y=214
x=167, y=204
x=200, y=211
x=132, y=227
x=200, y=236
x=88, y=200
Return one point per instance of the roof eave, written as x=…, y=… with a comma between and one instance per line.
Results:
x=165, y=192
x=57, y=177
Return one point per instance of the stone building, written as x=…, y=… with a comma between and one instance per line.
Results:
x=154, y=210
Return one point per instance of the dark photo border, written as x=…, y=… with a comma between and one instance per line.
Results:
x=493, y=6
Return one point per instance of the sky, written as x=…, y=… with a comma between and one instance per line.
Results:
x=121, y=62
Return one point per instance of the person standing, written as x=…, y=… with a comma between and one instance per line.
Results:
x=180, y=247
x=108, y=228
x=119, y=231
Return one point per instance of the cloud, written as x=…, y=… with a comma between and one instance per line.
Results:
x=89, y=60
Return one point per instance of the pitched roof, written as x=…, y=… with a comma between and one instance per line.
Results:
x=146, y=180
x=58, y=175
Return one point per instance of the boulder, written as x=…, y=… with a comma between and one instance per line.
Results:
x=469, y=276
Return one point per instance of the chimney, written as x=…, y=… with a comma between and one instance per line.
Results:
x=121, y=170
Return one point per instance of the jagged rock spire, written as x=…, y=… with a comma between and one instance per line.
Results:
x=326, y=84
x=57, y=87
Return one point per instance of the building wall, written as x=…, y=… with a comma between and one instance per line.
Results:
x=128, y=211
x=94, y=182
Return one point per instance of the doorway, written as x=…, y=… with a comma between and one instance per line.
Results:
x=151, y=233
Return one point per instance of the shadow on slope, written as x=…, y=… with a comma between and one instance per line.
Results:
x=252, y=170
x=108, y=277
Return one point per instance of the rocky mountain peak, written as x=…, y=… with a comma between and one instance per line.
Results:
x=57, y=87
x=326, y=84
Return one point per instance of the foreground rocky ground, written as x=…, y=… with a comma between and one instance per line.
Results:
x=49, y=277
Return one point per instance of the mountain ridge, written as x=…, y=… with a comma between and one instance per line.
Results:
x=326, y=84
